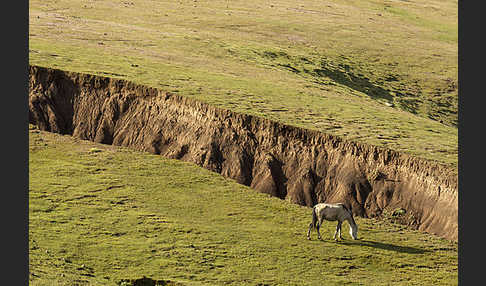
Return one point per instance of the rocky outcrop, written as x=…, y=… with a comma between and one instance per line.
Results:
x=299, y=165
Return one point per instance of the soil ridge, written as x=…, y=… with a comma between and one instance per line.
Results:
x=300, y=165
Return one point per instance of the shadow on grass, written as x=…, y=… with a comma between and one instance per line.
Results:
x=358, y=83
x=386, y=246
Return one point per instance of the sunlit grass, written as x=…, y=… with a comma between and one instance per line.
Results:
x=327, y=65
x=98, y=217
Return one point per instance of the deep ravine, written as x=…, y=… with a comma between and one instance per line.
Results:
x=299, y=165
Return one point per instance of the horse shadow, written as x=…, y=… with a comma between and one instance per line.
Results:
x=386, y=246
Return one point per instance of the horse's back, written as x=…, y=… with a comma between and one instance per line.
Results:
x=330, y=206
x=330, y=211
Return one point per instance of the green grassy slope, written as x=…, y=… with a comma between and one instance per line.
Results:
x=100, y=213
x=333, y=66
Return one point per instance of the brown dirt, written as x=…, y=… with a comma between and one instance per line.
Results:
x=299, y=165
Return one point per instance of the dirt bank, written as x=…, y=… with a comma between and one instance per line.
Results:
x=295, y=164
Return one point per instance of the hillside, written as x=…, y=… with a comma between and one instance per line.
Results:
x=299, y=165
x=100, y=214
x=383, y=73
x=283, y=103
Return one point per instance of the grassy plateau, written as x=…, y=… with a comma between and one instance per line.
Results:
x=99, y=214
x=379, y=72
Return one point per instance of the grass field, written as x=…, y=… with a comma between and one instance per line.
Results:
x=99, y=214
x=334, y=66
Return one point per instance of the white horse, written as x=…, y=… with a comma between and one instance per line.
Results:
x=332, y=212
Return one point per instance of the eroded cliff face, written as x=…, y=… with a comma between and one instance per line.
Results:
x=302, y=166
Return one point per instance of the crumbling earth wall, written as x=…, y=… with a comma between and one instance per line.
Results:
x=299, y=165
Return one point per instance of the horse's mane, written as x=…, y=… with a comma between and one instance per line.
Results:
x=350, y=210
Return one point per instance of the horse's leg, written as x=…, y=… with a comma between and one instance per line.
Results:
x=318, y=226
x=338, y=229
x=309, y=231
x=340, y=224
x=318, y=232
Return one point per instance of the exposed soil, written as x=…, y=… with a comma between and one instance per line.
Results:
x=299, y=165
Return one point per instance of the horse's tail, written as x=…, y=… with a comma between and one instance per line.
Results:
x=314, y=217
